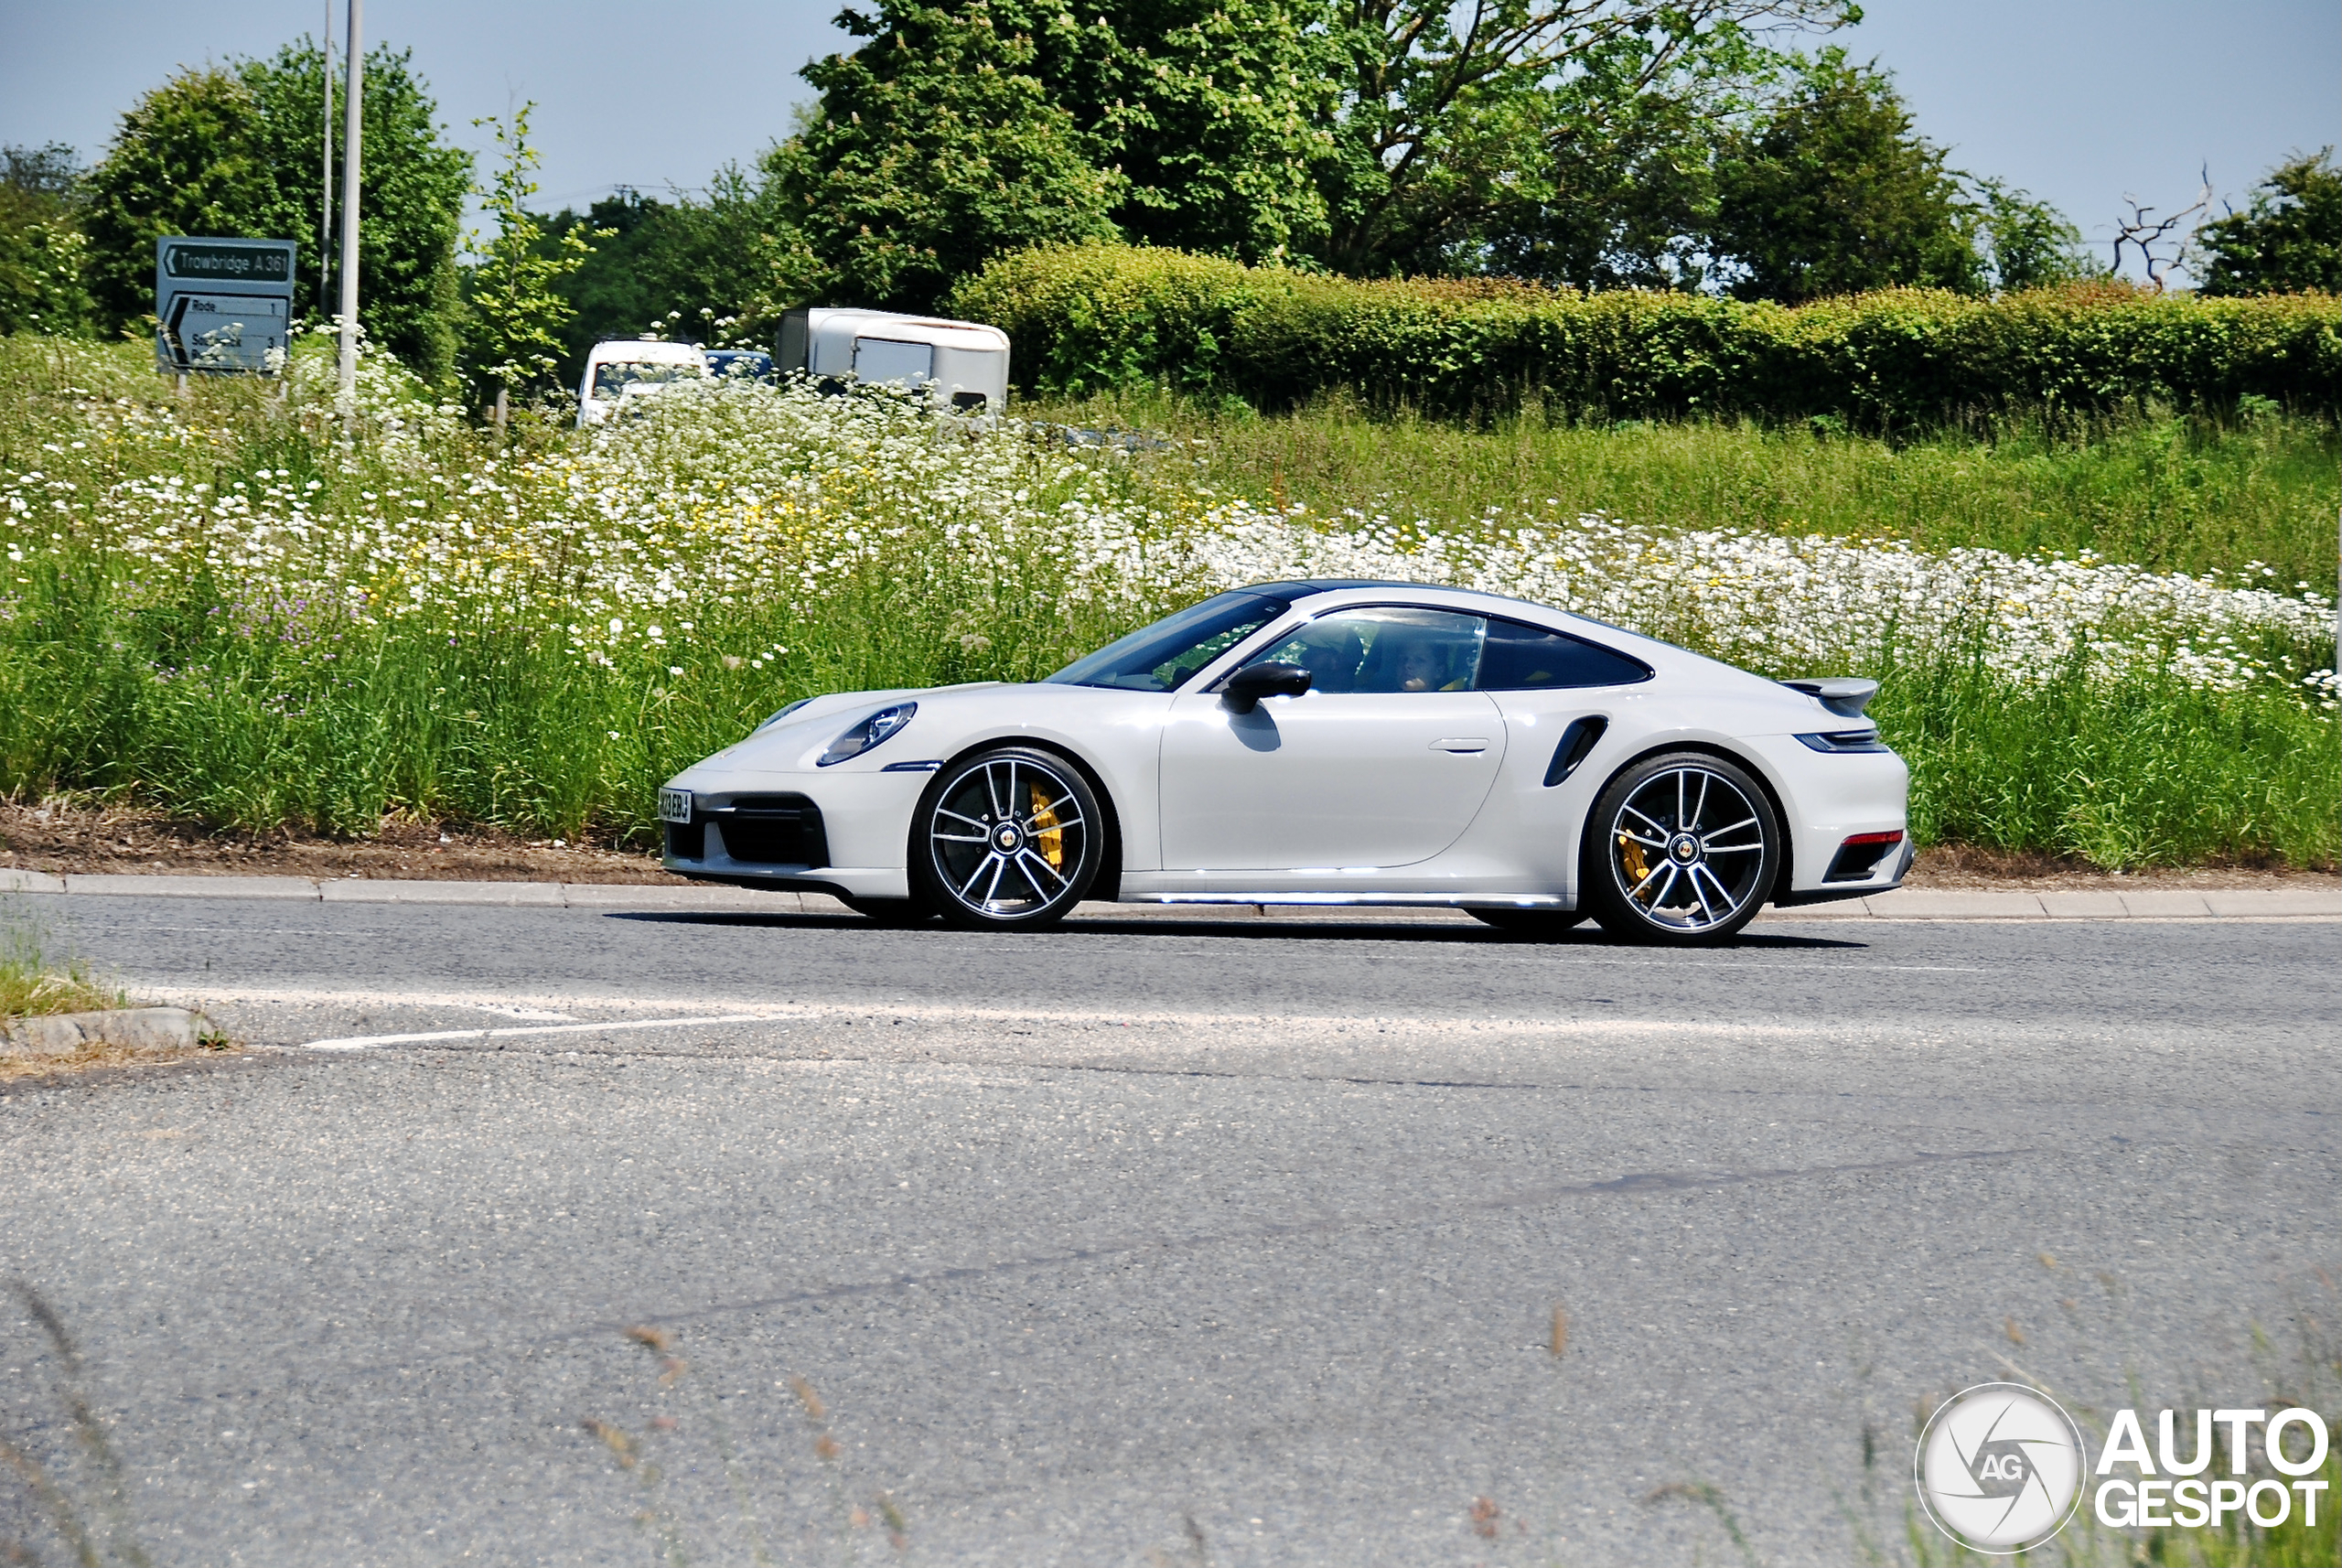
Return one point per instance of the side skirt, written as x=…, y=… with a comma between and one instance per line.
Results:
x=1421, y=900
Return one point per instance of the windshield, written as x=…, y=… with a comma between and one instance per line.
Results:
x=612, y=378
x=744, y=363
x=1158, y=658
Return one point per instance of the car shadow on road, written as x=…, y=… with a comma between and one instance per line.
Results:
x=1279, y=928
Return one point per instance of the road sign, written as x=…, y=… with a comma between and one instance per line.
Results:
x=222, y=305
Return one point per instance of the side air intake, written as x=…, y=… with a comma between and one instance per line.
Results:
x=1577, y=743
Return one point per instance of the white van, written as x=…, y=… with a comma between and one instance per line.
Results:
x=964, y=365
x=620, y=371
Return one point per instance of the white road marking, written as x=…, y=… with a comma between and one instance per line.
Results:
x=367, y=1042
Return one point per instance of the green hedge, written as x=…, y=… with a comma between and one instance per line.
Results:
x=1089, y=318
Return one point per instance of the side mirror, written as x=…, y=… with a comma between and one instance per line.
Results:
x=1243, y=690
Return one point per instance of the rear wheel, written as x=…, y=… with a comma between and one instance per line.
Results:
x=1530, y=922
x=1681, y=849
x=1009, y=840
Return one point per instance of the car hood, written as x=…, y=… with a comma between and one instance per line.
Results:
x=782, y=743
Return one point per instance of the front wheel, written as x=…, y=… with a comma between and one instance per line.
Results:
x=1680, y=850
x=1009, y=840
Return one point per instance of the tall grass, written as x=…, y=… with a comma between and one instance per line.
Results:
x=2173, y=493
x=233, y=608
x=35, y=982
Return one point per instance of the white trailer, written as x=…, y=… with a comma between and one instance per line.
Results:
x=962, y=365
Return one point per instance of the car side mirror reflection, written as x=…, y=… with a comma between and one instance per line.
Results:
x=1270, y=678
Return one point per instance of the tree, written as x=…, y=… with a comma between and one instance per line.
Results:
x=516, y=310
x=237, y=151
x=1834, y=192
x=2028, y=244
x=612, y=293
x=1204, y=125
x=1465, y=120
x=935, y=148
x=42, y=250
x=2287, y=240
x=1372, y=136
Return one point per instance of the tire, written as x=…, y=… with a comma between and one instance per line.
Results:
x=1008, y=840
x=1542, y=923
x=890, y=911
x=1681, y=849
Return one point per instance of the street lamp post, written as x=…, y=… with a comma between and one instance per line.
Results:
x=354, y=48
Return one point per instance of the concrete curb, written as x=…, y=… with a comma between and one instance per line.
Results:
x=1908, y=904
x=144, y=1030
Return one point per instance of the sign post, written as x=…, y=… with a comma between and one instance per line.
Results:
x=222, y=305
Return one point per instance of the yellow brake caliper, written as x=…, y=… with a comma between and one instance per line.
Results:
x=1631, y=854
x=1047, y=834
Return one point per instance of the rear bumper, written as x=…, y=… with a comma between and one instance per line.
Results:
x=1899, y=868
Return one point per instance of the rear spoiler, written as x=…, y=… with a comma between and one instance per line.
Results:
x=1844, y=697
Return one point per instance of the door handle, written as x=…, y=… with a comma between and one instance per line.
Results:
x=1462, y=746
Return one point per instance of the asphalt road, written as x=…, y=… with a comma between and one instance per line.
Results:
x=1143, y=1242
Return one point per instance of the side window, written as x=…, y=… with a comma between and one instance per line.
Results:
x=1387, y=649
x=1527, y=659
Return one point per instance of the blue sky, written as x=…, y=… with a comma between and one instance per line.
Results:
x=2080, y=102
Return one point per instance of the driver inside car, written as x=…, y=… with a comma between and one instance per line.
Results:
x=1414, y=659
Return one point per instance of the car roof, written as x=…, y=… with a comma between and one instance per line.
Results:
x=1308, y=588
x=1302, y=589
x=645, y=351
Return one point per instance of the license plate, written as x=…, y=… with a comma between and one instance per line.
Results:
x=675, y=806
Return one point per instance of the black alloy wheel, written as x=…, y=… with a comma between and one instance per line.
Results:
x=1681, y=849
x=1009, y=840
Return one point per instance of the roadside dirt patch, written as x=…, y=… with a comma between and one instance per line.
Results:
x=1963, y=865
x=63, y=838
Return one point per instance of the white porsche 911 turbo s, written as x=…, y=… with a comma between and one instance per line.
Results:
x=1324, y=742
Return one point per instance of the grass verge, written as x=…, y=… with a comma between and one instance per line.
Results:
x=236, y=610
x=2170, y=492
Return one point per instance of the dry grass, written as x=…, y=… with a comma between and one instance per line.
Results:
x=33, y=986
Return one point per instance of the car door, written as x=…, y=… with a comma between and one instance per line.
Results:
x=1384, y=762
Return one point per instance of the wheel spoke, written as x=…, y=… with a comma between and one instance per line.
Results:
x=1656, y=825
x=1692, y=824
x=1658, y=894
x=1647, y=843
x=958, y=838
x=1733, y=828
x=992, y=791
x=1064, y=800
x=999, y=869
x=948, y=811
x=1680, y=783
x=970, y=886
x=1026, y=857
x=1700, y=893
x=1731, y=848
x=1730, y=903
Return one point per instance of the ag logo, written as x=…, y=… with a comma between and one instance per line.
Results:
x=2000, y=1467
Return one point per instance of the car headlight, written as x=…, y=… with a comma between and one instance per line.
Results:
x=872, y=731
x=780, y=715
